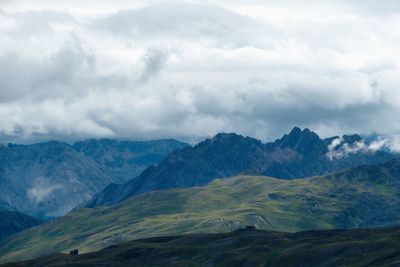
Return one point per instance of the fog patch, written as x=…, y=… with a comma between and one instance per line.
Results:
x=42, y=190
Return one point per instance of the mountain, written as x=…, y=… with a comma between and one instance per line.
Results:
x=12, y=222
x=51, y=178
x=48, y=179
x=358, y=247
x=127, y=159
x=364, y=196
x=299, y=154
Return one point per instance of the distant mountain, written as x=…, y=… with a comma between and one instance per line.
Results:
x=12, y=222
x=48, y=179
x=127, y=159
x=358, y=247
x=299, y=154
x=364, y=196
x=51, y=178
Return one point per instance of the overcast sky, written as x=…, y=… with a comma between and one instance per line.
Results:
x=189, y=69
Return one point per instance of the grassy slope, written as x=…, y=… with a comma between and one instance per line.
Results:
x=343, y=200
x=245, y=248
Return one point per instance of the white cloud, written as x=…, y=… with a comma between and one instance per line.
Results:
x=338, y=148
x=151, y=69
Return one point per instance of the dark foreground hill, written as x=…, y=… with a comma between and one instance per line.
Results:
x=253, y=248
x=12, y=222
x=361, y=197
x=299, y=154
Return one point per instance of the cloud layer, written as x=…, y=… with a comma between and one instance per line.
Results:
x=189, y=69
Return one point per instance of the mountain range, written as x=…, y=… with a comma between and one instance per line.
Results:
x=358, y=247
x=299, y=154
x=51, y=178
x=363, y=196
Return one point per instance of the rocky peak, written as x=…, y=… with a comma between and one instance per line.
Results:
x=291, y=139
x=303, y=141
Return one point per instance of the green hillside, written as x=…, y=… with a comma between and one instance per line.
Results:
x=367, y=196
x=356, y=247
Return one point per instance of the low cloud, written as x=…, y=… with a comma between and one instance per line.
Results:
x=41, y=190
x=340, y=149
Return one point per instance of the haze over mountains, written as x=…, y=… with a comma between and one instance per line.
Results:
x=127, y=159
x=51, y=178
x=299, y=154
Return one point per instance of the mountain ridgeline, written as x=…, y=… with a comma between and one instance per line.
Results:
x=51, y=178
x=299, y=154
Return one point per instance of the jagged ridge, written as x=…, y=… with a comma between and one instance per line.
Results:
x=299, y=154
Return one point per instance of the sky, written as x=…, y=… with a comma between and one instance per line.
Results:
x=190, y=69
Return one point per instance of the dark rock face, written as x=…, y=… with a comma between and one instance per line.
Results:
x=304, y=142
x=49, y=179
x=299, y=154
x=12, y=222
